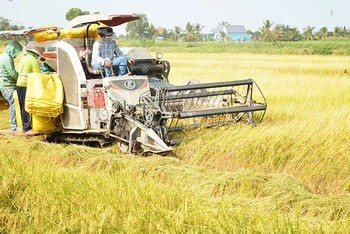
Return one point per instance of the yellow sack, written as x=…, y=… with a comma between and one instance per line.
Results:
x=80, y=32
x=4, y=105
x=45, y=35
x=44, y=95
x=67, y=33
x=43, y=124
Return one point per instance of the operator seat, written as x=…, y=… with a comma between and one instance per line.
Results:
x=88, y=58
x=91, y=70
x=101, y=72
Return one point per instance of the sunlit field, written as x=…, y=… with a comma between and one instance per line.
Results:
x=290, y=174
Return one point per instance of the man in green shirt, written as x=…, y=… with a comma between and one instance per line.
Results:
x=28, y=64
x=8, y=77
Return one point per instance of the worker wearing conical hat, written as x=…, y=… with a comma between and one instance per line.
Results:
x=28, y=64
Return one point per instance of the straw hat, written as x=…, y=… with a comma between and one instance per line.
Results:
x=38, y=50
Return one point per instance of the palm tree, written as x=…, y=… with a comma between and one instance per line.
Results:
x=267, y=34
x=277, y=32
x=323, y=33
x=189, y=32
x=308, y=33
x=345, y=32
x=165, y=33
x=287, y=33
x=253, y=38
x=224, y=37
x=296, y=34
x=152, y=32
x=223, y=23
x=337, y=31
x=198, y=31
x=177, y=33
x=256, y=36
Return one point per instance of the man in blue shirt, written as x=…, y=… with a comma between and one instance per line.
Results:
x=106, y=53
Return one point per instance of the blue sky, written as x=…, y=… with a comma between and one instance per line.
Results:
x=171, y=13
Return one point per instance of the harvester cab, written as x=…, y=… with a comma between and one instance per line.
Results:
x=140, y=112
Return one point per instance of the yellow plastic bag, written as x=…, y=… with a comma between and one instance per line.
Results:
x=44, y=95
x=45, y=35
x=80, y=32
x=67, y=33
x=43, y=124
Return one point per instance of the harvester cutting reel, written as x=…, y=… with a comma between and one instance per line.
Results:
x=153, y=123
x=194, y=105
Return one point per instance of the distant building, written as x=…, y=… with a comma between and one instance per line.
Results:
x=235, y=32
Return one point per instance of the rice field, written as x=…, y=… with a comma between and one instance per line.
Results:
x=290, y=174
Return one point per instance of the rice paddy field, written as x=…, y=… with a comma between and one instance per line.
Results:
x=290, y=174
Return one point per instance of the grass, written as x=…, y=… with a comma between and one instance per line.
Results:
x=329, y=46
x=288, y=175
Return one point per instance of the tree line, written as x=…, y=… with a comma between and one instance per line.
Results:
x=5, y=24
x=144, y=30
x=271, y=32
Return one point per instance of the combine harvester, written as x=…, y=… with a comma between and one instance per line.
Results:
x=141, y=112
